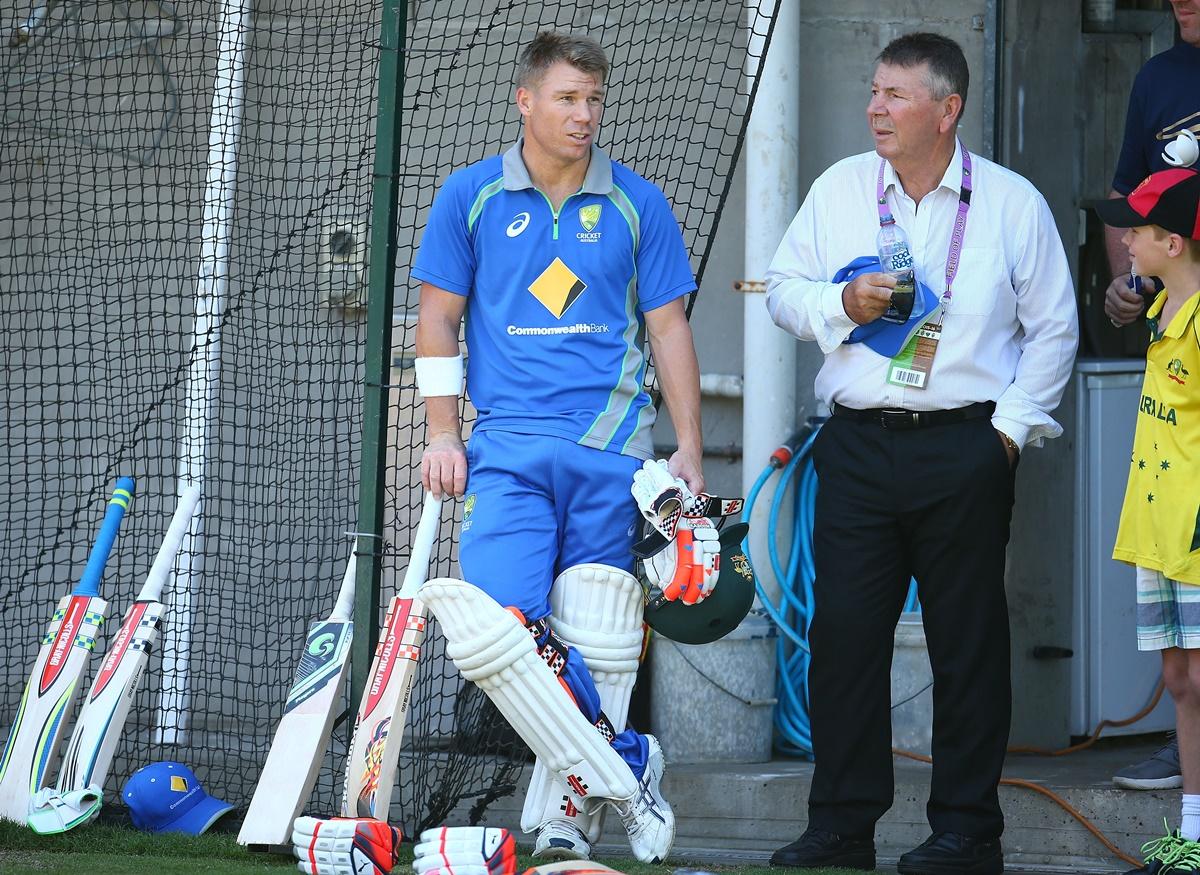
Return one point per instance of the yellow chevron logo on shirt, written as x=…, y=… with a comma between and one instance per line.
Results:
x=557, y=288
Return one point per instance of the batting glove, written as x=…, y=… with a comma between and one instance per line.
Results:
x=660, y=497
x=688, y=567
x=344, y=846
x=465, y=850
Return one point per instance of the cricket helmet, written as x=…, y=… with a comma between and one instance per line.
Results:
x=720, y=613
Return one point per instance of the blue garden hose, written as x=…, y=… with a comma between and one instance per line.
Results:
x=793, y=615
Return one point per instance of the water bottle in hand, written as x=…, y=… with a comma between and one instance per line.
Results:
x=895, y=259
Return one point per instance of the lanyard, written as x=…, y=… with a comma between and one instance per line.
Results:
x=960, y=220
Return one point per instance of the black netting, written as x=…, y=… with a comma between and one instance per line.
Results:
x=183, y=281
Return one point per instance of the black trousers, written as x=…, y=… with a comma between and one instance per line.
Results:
x=932, y=503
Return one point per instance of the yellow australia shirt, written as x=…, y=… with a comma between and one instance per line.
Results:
x=1160, y=519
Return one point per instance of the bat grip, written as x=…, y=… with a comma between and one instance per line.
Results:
x=89, y=583
x=422, y=548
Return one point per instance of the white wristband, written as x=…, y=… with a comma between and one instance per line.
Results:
x=439, y=375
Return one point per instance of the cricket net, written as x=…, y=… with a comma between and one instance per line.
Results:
x=184, y=233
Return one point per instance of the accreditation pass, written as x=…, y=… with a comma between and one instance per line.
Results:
x=912, y=365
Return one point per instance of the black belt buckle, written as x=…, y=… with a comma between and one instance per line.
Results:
x=899, y=419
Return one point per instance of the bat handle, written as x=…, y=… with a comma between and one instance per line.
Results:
x=344, y=608
x=185, y=509
x=89, y=583
x=422, y=548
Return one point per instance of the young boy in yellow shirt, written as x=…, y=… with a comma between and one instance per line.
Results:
x=1159, y=531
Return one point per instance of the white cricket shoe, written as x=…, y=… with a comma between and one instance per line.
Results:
x=561, y=840
x=648, y=818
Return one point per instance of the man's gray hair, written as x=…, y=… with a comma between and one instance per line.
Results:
x=549, y=47
x=948, y=73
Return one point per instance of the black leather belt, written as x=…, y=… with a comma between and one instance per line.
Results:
x=902, y=419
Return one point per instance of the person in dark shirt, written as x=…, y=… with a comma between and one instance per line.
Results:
x=1164, y=103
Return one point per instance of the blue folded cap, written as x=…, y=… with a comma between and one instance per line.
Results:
x=888, y=338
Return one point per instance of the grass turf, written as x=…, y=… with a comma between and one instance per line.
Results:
x=102, y=849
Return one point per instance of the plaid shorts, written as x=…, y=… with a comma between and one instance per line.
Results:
x=1168, y=612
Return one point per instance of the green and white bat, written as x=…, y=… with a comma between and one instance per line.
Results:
x=79, y=793
x=296, y=753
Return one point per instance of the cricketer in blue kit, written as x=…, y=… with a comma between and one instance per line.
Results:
x=563, y=263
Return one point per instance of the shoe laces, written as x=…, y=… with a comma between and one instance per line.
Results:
x=563, y=829
x=1169, y=849
x=628, y=809
x=1187, y=856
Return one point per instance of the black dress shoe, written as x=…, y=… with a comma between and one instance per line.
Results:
x=818, y=848
x=953, y=854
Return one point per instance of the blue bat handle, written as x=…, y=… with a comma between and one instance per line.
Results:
x=89, y=583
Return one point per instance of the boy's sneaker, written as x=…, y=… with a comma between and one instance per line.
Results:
x=560, y=840
x=647, y=817
x=1170, y=855
x=1159, y=772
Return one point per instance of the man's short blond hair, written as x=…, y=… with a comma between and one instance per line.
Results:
x=549, y=47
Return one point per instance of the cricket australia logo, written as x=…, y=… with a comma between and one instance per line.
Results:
x=468, y=510
x=1177, y=372
x=742, y=566
x=589, y=218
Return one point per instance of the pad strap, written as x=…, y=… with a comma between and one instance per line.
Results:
x=597, y=610
x=553, y=651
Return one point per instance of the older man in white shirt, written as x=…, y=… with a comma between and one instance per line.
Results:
x=917, y=463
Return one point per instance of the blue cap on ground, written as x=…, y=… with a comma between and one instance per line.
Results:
x=887, y=338
x=167, y=797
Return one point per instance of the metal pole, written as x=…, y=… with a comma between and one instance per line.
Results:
x=993, y=81
x=772, y=161
x=381, y=292
x=212, y=288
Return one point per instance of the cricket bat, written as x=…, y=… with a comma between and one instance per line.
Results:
x=49, y=698
x=79, y=793
x=379, y=728
x=296, y=753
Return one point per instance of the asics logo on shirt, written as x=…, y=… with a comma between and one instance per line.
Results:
x=519, y=223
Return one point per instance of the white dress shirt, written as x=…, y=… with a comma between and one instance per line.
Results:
x=1011, y=330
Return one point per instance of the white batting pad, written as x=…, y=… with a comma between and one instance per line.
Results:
x=596, y=609
x=493, y=649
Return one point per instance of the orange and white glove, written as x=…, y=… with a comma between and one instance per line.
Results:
x=345, y=846
x=465, y=850
x=688, y=567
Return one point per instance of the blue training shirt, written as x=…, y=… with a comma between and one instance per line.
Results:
x=554, y=318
